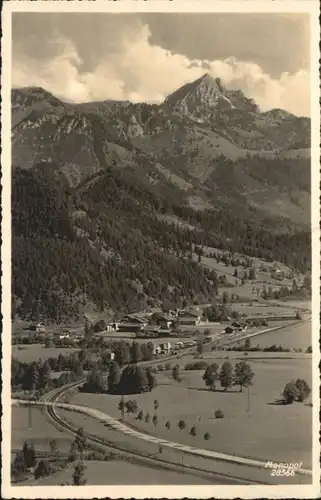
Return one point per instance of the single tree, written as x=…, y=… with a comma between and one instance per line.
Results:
x=135, y=352
x=210, y=376
x=181, y=424
x=226, y=375
x=176, y=373
x=303, y=390
x=168, y=425
x=95, y=382
x=151, y=379
x=43, y=469
x=78, y=475
x=156, y=404
x=243, y=375
x=73, y=452
x=252, y=274
x=113, y=377
x=18, y=466
x=131, y=406
x=193, y=431
x=29, y=455
x=155, y=420
x=247, y=343
x=147, y=418
x=121, y=407
x=81, y=440
x=207, y=436
x=290, y=392
x=140, y=415
x=53, y=447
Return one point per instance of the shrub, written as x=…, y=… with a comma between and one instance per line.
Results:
x=207, y=436
x=303, y=390
x=160, y=368
x=181, y=424
x=168, y=366
x=197, y=365
x=176, y=373
x=168, y=425
x=219, y=414
x=140, y=415
x=131, y=406
x=110, y=456
x=193, y=431
x=95, y=455
x=290, y=392
x=43, y=469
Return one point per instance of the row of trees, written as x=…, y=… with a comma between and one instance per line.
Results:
x=241, y=375
x=36, y=376
x=93, y=357
x=132, y=407
x=133, y=379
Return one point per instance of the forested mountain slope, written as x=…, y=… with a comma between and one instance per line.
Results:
x=92, y=182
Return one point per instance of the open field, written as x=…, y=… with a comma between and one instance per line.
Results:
x=33, y=352
x=263, y=278
x=42, y=430
x=257, y=429
x=257, y=309
x=122, y=472
x=294, y=336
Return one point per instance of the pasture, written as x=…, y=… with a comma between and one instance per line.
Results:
x=292, y=336
x=41, y=433
x=33, y=352
x=121, y=472
x=254, y=426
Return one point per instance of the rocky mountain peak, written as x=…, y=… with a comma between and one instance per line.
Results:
x=198, y=99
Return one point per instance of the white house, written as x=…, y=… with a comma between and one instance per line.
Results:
x=166, y=347
x=40, y=328
x=157, y=350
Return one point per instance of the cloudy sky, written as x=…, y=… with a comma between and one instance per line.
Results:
x=143, y=57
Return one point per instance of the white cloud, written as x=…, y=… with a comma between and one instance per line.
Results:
x=140, y=71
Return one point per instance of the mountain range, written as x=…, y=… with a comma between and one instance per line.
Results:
x=200, y=168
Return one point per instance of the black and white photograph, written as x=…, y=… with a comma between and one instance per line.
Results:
x=160, y=250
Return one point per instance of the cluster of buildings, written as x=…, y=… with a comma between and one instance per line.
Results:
x=236, y=327
x=156, y=323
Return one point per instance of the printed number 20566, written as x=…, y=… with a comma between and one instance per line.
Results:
x=282, y=472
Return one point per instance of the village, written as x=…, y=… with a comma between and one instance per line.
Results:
x=169, y=331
